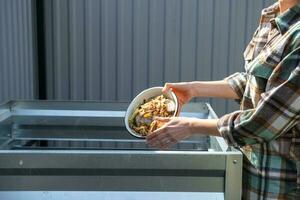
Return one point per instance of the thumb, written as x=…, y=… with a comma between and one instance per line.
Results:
x=167, y=87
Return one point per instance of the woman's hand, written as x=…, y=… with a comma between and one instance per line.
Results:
x=174, y=130
x=182, y=90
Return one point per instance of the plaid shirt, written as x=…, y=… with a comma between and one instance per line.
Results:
x=267, y=126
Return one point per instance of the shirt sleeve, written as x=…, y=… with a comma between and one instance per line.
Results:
x=278, y=110
x=238, y=83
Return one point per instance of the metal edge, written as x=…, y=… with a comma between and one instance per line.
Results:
x=10, y=159
x=5, y=120
x=233, y=177
x=212, y=115
x=5, y=111
x=119, y=152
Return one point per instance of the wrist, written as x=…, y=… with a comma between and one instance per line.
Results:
x=204, y=127
x=194, y=87
x=194, y=126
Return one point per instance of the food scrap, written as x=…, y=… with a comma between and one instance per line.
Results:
x=142, y=120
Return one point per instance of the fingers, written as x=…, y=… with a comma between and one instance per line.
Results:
x=167, y=87
x=155, y=133
x=164, y=146
x=161, y=138
x=164, y=141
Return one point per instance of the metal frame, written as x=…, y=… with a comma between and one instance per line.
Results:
x=234, y=162
x=216, y=170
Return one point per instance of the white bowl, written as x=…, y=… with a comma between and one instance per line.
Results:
x=138, y=100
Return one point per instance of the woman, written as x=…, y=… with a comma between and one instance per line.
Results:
x=267, y=127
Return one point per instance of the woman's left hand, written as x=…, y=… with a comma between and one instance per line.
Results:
x=174, y=130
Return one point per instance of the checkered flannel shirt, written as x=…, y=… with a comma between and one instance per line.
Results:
x=267, y=126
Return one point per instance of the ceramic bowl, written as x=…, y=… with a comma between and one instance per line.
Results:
x=139, y=99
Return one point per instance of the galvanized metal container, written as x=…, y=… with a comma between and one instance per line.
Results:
x=84, y=146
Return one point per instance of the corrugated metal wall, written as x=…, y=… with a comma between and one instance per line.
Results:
x=17, y=50
x=112, y=49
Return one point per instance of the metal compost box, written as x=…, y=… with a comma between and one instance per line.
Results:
x=76, y=150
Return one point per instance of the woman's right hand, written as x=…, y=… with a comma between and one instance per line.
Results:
x=182, y=90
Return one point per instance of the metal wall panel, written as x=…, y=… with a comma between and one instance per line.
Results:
x=112, y=49
x=17, y=50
